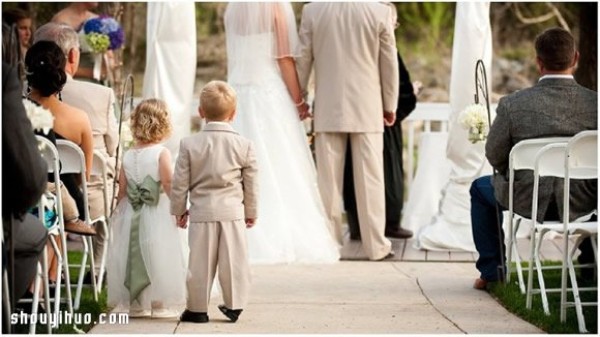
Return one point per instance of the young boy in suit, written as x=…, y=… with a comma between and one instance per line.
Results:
x=217, y=168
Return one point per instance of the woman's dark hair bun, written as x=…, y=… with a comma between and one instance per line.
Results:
x=45, y=67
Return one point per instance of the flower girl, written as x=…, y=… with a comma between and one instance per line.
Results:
x=147, y=260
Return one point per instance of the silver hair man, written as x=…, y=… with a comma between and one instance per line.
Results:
x=61, y=34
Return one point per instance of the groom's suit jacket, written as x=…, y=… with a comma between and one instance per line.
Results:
x=217, y=167
x=554, y=107
x=356, y=69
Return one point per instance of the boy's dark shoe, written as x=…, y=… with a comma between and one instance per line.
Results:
x=194, y=317
x=231, y=314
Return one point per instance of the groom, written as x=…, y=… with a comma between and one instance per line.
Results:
x=353, y=49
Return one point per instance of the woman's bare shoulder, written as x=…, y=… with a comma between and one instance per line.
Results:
x=77, y=115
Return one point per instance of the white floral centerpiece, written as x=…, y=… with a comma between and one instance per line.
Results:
x=40, y=117
x=126, y=136
x=474, y=118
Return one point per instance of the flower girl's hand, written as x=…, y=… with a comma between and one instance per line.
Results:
x=250, y=222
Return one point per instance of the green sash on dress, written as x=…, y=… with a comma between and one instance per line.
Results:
x=136, y=275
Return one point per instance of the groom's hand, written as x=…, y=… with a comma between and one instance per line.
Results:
x=303, y=111
x=389, y=118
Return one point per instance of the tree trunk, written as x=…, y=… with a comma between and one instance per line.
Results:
x=586, y=73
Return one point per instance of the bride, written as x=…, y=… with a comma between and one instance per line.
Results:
x=291, y=226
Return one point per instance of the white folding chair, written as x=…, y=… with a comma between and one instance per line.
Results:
x=50, y=155
x=581, y=162
x=100, y=169
x=549, y=161
x=6, y=300
x=41, y=277
x=522, y=157
x=73, y=161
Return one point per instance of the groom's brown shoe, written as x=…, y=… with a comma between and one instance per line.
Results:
x=480, y=284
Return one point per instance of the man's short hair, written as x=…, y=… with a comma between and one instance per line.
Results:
x=218, y=100
x=61, y=34
x=555, y=48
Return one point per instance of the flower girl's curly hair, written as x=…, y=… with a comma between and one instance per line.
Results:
x=150, y=122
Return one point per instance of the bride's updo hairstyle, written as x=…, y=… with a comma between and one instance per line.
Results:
x=150, y=122
x=218, y=100
x=45, y=68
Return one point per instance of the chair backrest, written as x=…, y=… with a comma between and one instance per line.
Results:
x=50, y=154
x=549, y=161
x=522, y=157
x=100, y=169
x=71, y=156
x=99, y=165
x=582, y=155
x=580, y=162
x=73, y=161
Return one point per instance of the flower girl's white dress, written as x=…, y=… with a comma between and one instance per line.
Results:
x=162, y=244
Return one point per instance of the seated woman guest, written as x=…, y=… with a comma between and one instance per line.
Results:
x=22, y=20
x=45, y=73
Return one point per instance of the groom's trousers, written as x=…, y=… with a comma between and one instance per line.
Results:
x=367, y=160
x=218, y=245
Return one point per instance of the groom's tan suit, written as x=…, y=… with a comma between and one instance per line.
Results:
x=217, y=168
x=353, y=51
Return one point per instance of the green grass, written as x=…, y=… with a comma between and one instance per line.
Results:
x=511, y=298
x=87, y=305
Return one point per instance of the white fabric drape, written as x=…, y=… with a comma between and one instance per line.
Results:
x=171, y=63
x=451, y=227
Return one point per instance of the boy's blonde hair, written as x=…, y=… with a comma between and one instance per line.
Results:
x=150, y=122
x=218, y=100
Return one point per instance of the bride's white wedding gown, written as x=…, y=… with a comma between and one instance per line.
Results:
x=291, y=225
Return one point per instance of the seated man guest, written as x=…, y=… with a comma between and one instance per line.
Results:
x=555, y=107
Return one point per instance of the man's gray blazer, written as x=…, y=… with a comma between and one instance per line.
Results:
x=554, y=107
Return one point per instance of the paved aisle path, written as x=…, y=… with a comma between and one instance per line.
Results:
x=354, y=297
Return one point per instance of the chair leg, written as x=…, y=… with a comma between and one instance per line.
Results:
x=576, y=298
x=87, y=258
x=563, y=279
x=36, y=299
x=519, y=267
x=540, y=274
x=92, y=269
x=6, y=309
x=66, y=271
x=79, y=286
x=509, y=250
x=46, y=283
x=103, y=259
x=529, y=294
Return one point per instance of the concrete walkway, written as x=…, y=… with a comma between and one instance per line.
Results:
x=353, y=297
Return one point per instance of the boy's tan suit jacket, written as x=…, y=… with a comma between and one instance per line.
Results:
x=217, y=167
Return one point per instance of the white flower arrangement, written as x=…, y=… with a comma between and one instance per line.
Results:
x=126, y=136
x=40, y=117
x=474, y=119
